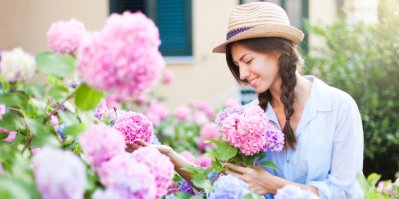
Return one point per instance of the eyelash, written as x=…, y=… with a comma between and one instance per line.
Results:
x=250, y=61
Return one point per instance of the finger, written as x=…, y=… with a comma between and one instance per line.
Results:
x=236, y=168
x=142, y=143
x=233, y=174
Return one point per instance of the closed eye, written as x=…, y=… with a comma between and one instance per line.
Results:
x=248, y=62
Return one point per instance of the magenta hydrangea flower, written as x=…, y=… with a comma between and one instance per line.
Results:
x=124, y=57
x=100, y=143
x=249, y=130
x=59, y=174
x=160, y=166
x=182, y=113
x=64, y=36
x=135, y=126
x=128, y=178
x=294, y=192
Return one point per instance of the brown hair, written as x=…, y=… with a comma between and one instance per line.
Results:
x=288, y=62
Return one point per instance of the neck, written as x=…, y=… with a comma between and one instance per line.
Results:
x=301, y=92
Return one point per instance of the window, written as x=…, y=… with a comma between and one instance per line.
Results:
x=297, y=11
x=173, y=18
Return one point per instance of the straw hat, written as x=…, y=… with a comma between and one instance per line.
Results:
x=259, y=19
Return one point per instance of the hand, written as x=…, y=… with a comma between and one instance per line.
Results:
x=259, y=180
x=164, y=149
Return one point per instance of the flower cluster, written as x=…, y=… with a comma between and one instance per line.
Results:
x=294, y=192
x=125, y=177
x=160, y=166
x=229, y=187
x=59, y=174
x=17, y=65
x=64, y=36
x=100, y=143
x=186, y=188
x=123, y=57
x=249, y=130
x=135, y=126
x=182, y=113
x=207, y=131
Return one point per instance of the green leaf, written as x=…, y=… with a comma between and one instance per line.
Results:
x=14, y=99
x=252, y=195
x=35, y=90
x=268, y=164
x=11, y=189
x=11, y=121
x=182, y=195
x=37, y=127
x=190, y=169
x=59, y=65
x=225, y=151
x=363, y=182
x=68, y=118
x=201, y=182
x=59, y=92
x=3, y=135
x=373, y=178
x=217, y=166
x=87, y=98
x=74, y=130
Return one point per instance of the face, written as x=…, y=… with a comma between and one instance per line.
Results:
x=259, y=69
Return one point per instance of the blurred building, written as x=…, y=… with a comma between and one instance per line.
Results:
x=189, y=30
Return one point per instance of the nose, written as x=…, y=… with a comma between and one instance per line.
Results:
x=244, y=72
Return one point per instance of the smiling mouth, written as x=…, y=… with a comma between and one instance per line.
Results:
x=253, y=82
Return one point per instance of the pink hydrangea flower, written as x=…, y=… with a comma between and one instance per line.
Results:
x=35, y=150
x=188, y=156
x=204, y=161
x=157, y=112
x=101, y=110
x=249, y=130
x=100, y=143
x=2, y=110
x=160, y=166
x=112, y=101
x=200, y=118
x=231, y=103
x=168, y=77
x=207, y=131
x=64, y=36
x=128, y=178
x=59, y=174
x=204, y=106
x=11, y=134
x=182, y=113
x=135, y=126
x=123, y=58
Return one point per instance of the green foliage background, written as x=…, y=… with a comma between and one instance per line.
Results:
x=363, y=60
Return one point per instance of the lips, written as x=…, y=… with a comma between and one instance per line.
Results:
x=252, y=82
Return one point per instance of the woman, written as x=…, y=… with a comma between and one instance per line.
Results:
x=322, y=125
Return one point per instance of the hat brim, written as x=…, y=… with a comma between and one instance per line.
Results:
x=270, y=30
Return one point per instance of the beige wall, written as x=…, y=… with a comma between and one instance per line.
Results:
x=25, y=23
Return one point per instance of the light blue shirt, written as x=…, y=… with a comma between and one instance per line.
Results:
x=329, y=150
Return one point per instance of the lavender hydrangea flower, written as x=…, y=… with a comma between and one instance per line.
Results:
x=186, y=187
x=229, y=187
x=226, y=112
x=59, y=174
x=127, y=177
x=294, y=192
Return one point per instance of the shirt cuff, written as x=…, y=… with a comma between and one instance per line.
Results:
x=324, y=189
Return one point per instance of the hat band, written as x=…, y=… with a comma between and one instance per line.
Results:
x=237, y=31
